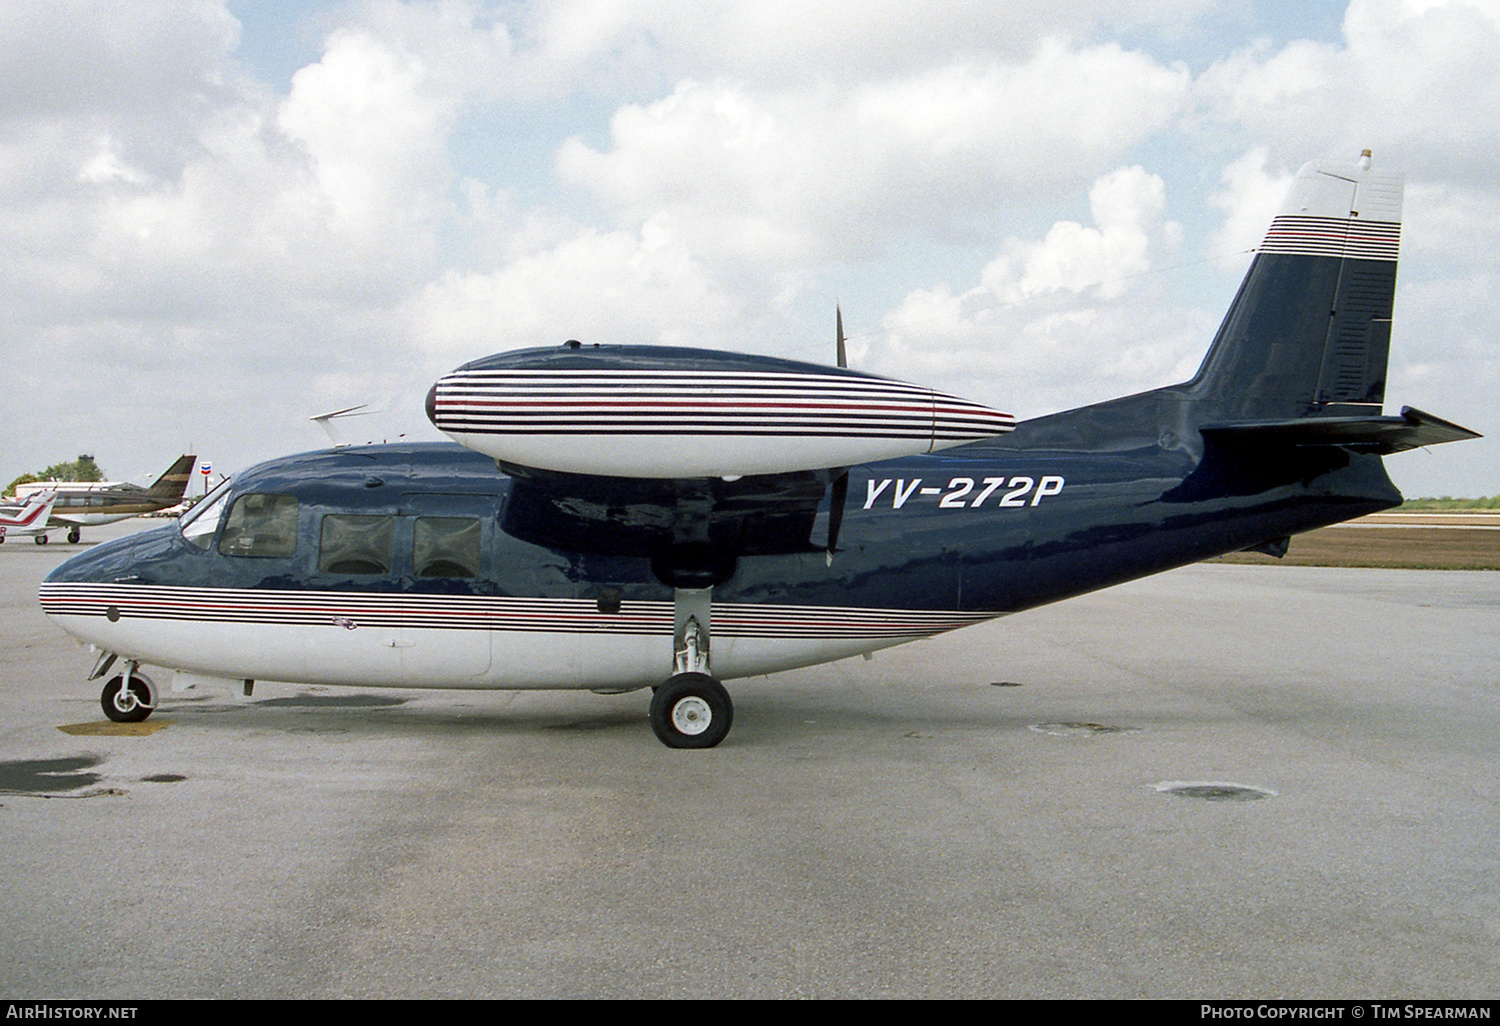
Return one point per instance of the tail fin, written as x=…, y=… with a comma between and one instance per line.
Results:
x=33, y=513
x=173, y=483
x=1309, y=332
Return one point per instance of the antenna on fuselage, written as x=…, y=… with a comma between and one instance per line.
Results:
x=323, y=420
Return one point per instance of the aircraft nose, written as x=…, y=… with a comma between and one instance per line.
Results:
x=432, y=404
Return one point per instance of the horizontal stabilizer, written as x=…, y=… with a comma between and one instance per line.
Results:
x=1411, y=430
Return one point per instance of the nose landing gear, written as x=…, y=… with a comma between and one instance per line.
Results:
x=128, y=697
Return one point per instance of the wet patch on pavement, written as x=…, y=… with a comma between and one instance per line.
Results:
x=1081, y=729
x=52, y=778
x=583, y=725
x=1214, y=790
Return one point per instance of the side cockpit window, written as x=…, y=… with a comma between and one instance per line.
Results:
x=350, y=544
x=446, y=546
x=260, y=525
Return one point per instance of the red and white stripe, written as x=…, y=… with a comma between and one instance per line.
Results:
x=353, y=610
x=750, y=422
x=1339, y=237
x=706, y=402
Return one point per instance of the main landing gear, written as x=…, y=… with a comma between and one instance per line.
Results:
x=691, y=709
x=129, y=697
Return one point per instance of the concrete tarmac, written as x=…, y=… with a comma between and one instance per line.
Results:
x=987, y=814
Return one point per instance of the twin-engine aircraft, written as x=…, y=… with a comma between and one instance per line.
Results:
x=623, y=517
x=88, y=504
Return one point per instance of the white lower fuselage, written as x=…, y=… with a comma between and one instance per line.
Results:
x=414, y=641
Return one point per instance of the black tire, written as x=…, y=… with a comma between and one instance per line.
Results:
x=123, y=706
x=41, y=539
x=73, y=535
x=691, y=710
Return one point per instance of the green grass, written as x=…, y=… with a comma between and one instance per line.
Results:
x=1435, y=548
x=1446, y=504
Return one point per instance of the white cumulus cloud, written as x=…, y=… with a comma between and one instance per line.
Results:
x=815, y=174
x=1051, y=310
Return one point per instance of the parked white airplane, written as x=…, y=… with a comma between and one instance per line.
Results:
x=87, y=504
x=28, y=518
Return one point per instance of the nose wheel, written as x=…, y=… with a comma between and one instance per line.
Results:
x=128, y=698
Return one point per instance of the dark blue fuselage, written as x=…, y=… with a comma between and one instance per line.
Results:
x=916, y=534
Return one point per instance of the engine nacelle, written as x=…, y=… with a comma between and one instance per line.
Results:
x=658, y=412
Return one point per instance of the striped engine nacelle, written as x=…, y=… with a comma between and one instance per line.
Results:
x=658, y=412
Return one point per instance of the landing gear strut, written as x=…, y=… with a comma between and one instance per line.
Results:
x=691, y=710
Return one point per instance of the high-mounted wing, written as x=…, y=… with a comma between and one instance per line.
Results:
x=690, y=457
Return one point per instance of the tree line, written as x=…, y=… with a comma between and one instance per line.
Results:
x=82, y=469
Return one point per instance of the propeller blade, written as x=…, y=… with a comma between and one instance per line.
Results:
x=838, y=316
x=840, y=489
x=839, y=493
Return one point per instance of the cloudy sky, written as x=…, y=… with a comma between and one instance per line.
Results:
x=221, y=218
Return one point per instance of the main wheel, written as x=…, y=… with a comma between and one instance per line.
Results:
x=691, y=710
x=124, y=704
x=40, y=539
x=73, y=535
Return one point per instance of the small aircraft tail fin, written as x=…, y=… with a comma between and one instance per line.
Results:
x=31, y=514
x=173, y=483
x=40, y=515
x=1309, y=332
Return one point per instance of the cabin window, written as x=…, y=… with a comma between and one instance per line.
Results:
x=446, y=547
x=350, y=544
x=260, y=525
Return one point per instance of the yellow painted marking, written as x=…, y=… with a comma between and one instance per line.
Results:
x=108, y=728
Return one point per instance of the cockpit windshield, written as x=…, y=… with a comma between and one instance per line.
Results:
x=200, y=523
